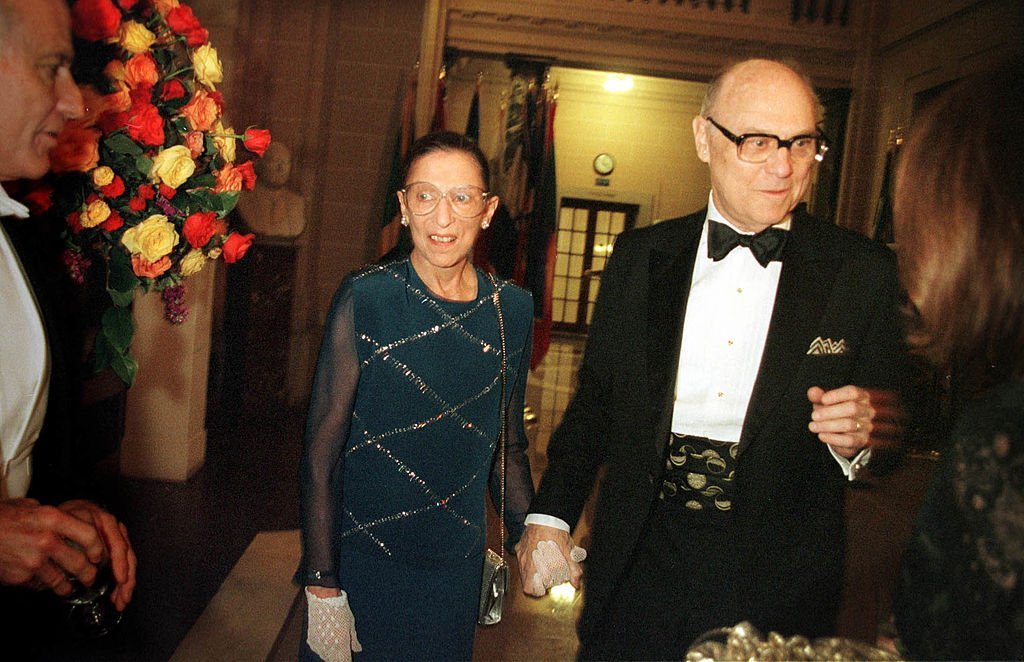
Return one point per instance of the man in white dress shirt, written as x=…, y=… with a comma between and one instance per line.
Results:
x=741, y=363
x=41, y=546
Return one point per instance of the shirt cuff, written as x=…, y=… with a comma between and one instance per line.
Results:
x=852, y=468
x=547, y=520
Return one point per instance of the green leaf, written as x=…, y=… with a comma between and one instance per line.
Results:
x=143, y=164
x=125, y=367
x=117, y=327
x=120, y=143
x=121, y=280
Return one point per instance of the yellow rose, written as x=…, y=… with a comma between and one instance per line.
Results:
x=173, y=166
x=102, y=176
x=224, y=139
x=135, y=37
x=207, y=66
x=95, y=213
x=153, y=238
x=192, y=263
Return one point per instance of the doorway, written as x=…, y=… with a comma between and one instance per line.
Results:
x=586, y=236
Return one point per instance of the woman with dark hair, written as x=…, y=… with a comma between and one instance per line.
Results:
x=959, y=214
x=403, y=425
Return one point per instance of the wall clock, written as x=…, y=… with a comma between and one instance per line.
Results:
x=604, y=163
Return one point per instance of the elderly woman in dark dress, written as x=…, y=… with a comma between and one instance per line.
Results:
x=403, y=424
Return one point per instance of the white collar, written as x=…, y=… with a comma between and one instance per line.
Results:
x=715, y=215
x=11, y=207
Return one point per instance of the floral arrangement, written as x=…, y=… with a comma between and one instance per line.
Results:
x=144, y=181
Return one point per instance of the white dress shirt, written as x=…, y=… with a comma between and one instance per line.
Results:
x=24, y=365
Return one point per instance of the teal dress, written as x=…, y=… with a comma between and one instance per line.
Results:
x=399, y=451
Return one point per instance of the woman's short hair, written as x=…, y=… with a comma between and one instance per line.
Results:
x=959, y=219
x=446, y=141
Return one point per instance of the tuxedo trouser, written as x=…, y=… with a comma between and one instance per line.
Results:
x=680, y=583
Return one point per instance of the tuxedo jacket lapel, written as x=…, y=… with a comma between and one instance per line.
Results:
x=805, y=285
x=671, y=269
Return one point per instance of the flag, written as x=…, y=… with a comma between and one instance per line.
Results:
x=393, y=236
x=473, y=122
x=543, y=247
x=439, y=115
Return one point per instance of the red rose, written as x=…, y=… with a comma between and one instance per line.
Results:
x=248, y=174
x=236, y=245
x=172, y=89
x=113, y=222
x=145, y=124
x=167, y=191
x=127, y=4
x=199, y=228
x=139, y=201
x=38, y=199
x=95, y=20
x=183, y=21
x=114, y=189
x=256, y=141
x=75, y=221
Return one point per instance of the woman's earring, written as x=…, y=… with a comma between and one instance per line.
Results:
x=405, y=220
x=485, y=224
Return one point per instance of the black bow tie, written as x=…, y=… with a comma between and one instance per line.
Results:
x=766, y=245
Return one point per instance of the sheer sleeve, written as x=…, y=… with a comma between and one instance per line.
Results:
x=518, y=479
x=327, y=429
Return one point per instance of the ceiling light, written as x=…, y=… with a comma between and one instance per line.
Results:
x=618, y=83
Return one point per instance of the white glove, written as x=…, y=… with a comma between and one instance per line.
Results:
x=552, y=567
x=332, y=628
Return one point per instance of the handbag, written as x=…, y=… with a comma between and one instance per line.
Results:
x=494, y=578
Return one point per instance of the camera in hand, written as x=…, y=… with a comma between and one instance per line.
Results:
x=89, y=612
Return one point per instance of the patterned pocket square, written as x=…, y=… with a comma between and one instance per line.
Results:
x=827, y=346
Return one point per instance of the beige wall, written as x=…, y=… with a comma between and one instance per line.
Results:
x=326, y=77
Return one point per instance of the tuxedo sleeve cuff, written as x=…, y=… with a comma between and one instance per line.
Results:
x=547, y=520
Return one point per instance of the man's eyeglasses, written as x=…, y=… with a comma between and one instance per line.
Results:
x=465, y=201
x=759, y=147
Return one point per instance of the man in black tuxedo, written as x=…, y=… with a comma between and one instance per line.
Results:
x=741, y=363
x=42, y=546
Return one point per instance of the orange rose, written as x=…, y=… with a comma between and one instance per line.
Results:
x=201, y=111
x=77, y=149
x=118, y=101
x=196, y=143
x=236, y=245
x=141, y=71
x=228, y=180
x=143, y=268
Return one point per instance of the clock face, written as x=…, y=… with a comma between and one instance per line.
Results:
x=604, y=164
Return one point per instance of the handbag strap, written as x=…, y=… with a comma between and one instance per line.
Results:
x=503, y=409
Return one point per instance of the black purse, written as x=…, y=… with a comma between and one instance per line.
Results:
x=494, y=579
